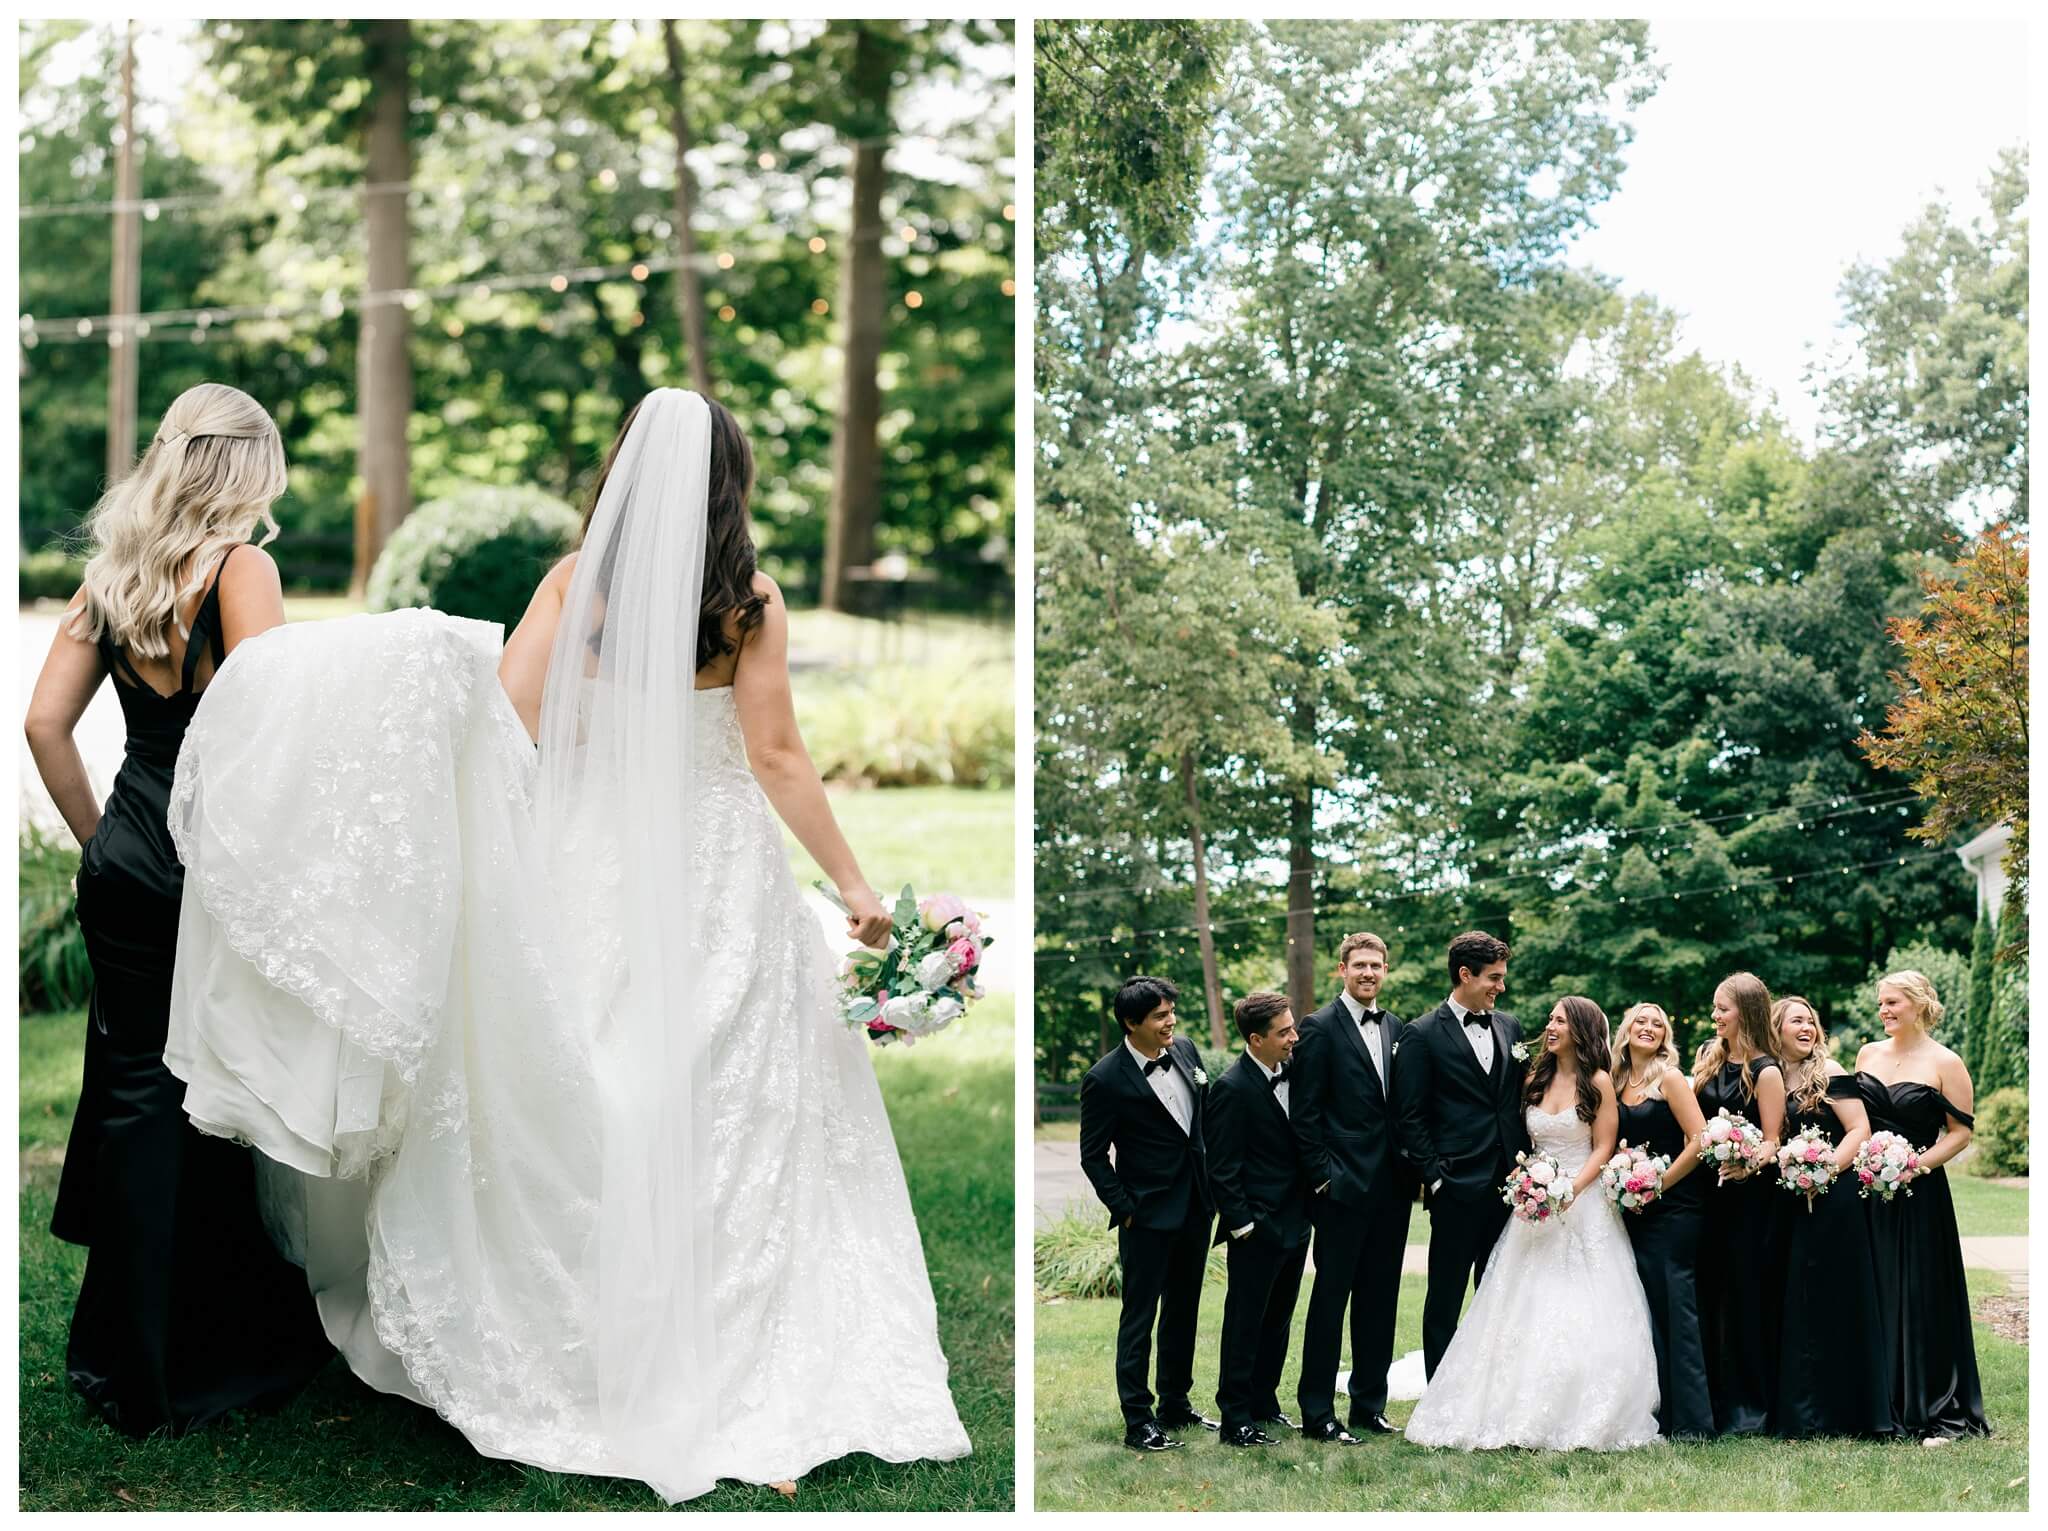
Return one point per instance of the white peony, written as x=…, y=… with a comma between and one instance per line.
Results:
x=1718, y=1129
x=1541, y=1172
x=935, y=969
x=946, y=1008
x=906, y=1011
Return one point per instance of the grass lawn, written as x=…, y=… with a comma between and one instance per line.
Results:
x=342, y=1446
x=1082, y=1463
x=937, y=839
x=1984, y=1207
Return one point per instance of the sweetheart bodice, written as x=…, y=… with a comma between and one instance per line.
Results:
x=1561, y=1135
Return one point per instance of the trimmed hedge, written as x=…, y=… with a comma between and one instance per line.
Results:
x=476, y=553
x=2001, y=1135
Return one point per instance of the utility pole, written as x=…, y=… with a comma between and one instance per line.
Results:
x=127, y=293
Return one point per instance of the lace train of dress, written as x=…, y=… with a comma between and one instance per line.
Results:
x=388, y=986
x=1555, y=1351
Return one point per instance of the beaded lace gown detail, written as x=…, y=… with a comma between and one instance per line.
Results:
x=1555, y=1351
x=395, y=990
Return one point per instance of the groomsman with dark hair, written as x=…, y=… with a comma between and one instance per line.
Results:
x=1460, y=1101
x=1262, y=1214
x=1345, y=1120
x=1144, y=1101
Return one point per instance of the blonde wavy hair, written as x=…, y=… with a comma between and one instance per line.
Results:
x=1919, y=988
x=1806, y=1079
x=1752, y=1002
x=207, y=481
x=1624, y=1065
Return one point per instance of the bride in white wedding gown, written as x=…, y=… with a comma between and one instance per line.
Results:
x=1555, y=1351
x=573, y=1145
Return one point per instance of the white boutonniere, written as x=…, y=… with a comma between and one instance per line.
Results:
x=1519, y=1053
x=1200, y=1077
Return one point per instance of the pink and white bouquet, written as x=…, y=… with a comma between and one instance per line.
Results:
x=924, y=980
x=1537, y=1189
x=1634, y=1177
x=1732, y=1142
x=1886, y=1166
x=1806, y=1164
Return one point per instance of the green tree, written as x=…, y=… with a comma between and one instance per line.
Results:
x=1977, y=1024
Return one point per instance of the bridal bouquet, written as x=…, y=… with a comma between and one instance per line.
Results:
x=923, y=981
x=1885, y=1166
x=1633, y=1178
x=1537, y=1189
x=1806, y=1164
x=1731, y=1142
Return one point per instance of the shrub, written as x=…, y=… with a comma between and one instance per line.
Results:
x=50, y=574
x=54, y=972
x=911, y=726
x=476, y=553
x=2001, y=1137
x=1076, y=1256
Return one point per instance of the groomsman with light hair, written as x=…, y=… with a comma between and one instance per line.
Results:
x=1361, y=1187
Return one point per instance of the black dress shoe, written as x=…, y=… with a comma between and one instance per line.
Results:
x=1331, y=1433
x=1147, y=1436
x=1378, y=1424
x=1182, y=1421
x=1247, y=1435
x=1285, y=1422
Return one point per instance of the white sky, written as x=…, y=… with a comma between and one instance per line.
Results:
x=1776, y=154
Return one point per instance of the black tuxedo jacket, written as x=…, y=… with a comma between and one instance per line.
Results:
x=1344, y=1117
x=1255, y=1169
x=1459, y=1124
x=1159, y=1177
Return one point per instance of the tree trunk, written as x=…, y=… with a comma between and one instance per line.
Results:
x=1212, y=990
x=384, y=361
x=1301, y=878
x=863, y=292
x=689, y=280
x=127, y=292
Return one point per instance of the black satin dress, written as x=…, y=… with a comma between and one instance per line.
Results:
x=186, y=1310
x=1833, y=1377
x=1666, y=1239
x=1739, y=1267
x=1923, y=1298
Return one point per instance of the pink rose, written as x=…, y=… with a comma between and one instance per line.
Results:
x=965, y=954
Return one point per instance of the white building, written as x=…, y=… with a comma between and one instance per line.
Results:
x=1984, y=857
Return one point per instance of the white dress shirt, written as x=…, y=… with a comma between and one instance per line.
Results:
x=1481, y=1037
x=1172, y=1090
x=1375, y=1036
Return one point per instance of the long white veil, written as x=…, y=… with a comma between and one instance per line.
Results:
x=615, y=814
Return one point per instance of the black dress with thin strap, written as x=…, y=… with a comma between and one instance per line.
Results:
x=1666, y=1239
x=1739, y=1269
x=186, y=1310
x=1923, y=1296
x=1833, y=1377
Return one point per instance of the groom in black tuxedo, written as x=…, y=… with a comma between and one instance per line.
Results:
x=1144, y=1099
x=1345, y=1121
x=1262, y=1214
x=1459, y=1098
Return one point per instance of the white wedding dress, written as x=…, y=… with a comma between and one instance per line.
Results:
x=420, y=1006
x=1555, y=1351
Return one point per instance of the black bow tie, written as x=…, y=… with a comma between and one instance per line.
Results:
x=1371, y=1017
x=1158, y=1063
x=1478, y=1017
x=1274, y=1081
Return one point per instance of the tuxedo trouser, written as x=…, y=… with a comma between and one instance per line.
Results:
x=1162, y=1281
x=1258, y=1315
x=1358, y=1263
x=1463, y=1228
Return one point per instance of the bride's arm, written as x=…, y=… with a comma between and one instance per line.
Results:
x=775, y=751
x=70, y=676
x=1606, y=1128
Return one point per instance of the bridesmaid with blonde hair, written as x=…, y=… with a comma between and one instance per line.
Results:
x=1737, y=1071
x=1831, y=1379
x=186, y=1311
x=1917, y=1088
x=1658, y=1112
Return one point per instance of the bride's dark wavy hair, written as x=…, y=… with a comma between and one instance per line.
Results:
x=729, y=558
x=1588, y=1024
